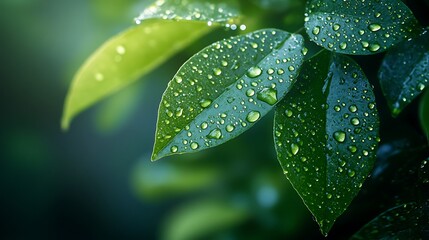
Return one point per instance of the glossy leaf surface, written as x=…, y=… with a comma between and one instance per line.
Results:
x=404, y=73
x=358, y=27
x=326, y=134
x=126, y=57
x=401, y=222
x=225, y=89
x=197, y=10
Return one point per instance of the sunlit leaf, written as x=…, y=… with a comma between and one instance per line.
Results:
x=197, y=10
x=358, y=27
x=424, y=113
x=326, y=132
x=200, y=219
x=225, y=89
x=401, y=222
x=404, y=73
x=126, y=57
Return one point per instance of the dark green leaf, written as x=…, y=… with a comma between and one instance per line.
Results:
x=401, y=222
x=223, y=90
x=358, y=27
x=326, y=134
x=126, y=57
x=197, y=10
x=404, y=73
x=203, y=218
x=424, y=113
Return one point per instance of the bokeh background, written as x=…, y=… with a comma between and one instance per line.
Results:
x=96, y=181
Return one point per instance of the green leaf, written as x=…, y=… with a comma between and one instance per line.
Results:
x=358, y=27
x=401, y=222
x=326, y=134
x=200, y=219
x=225, y=89
x=404, y=73
x=197, y=10
x=424, y=113
x=126, y=57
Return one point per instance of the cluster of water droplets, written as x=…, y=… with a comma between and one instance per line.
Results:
x=358, y=27
x=221, y=92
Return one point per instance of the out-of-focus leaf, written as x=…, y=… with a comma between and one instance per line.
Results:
x=325, y=133
x=200, y=219
x=358, y=27
x=164, y=179
x=126, y=57
x=404, y=73
x=197, y=10
x=401, y=222
x=225, y=89
x=424, y=113
x=279, y=5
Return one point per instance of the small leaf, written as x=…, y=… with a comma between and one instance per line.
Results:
x=200, y=219
x=358, y=27
x=197, y=10
x=326, y=132
x=223, y=90
x=404, y=73
x=126, y=57
x=424, y=113
x=401, y=222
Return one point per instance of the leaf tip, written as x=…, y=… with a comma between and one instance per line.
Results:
x=65, y=124
x=325, y=226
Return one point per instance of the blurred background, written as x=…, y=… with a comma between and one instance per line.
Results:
x=96, y=181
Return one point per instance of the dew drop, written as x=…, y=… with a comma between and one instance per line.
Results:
x=294, y=148
x=353, y=108
x=217, y=71
x=352, y=148
x=253, y=116
x=351, y=173
x=254, y=72
x=178, y=79
x=120, y=50
x=194, y=145
x=205, y=103
x=340, y=136
x=230, y=128
x=288, y=113
x=215, y=134
x=250, y=92
x=355, y=121
x=174, y=149
x=204, y=125
x=268, y=95
x=343, y=45
x=99, y=77
x=316, y=30
x=365, y=44
x=291, y=68
x=336, y=27
x=374, y=47
x=374, y=27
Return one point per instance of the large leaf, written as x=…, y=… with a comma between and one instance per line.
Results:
x=402, y=222
x=201, y=219
x=126, y=57
x=325, y=133
x=358, y=27
x=198, y=10
x=404, y=73
x=424, y=113
x=225, y=89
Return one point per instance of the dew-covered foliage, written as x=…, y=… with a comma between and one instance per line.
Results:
x=326, y=134
x=326, y=120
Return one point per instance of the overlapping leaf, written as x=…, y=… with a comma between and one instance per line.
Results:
x=358, y=27
x=223, y=90
x=326, y=134
x=404, y=73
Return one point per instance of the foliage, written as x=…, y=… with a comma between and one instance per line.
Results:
x=326, y=124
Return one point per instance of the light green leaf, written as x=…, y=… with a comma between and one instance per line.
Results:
x=225, y=89
x=326, y=134
x=126, y=57
x=200, y=219
x=401, y=222
x=424, y=113
x=358, y=27
x=197, y=10
x=404, y=73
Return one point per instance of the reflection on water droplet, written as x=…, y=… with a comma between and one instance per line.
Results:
x=174, y=149
x=253, y=116
x=179, y=79
x=294, y=148
x=340, y=136
x=230, y=128
x=316, y=30
x=254, y=72
x=215, y=134
x=288, y=113
x=374, y=47
x=351, y=173
x=353, y=108
x=204, y=125
x=250, y=92
x=268, y=95
x=194, y=145
x=120, y=50
x=217, y=71
x=374, y=27
x=336, y=27
x=343, y=45
x=352, y=148
x=99, y=77
x=355, y=121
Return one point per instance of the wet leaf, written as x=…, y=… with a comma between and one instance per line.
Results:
x=197, y=10
x=126, y=57
x=200, y=219
x=404, y=73
x=424, y=113
x=326, y=134
x=358, y=27
x=225, y=89
x=401, y=222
